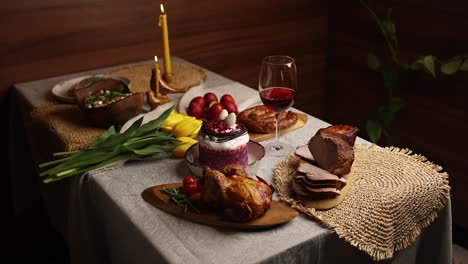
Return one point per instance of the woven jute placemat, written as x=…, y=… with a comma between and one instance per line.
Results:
x=64, y=125
x=395, y=194
x=185, y=76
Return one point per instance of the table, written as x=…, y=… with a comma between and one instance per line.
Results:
x=105, y=220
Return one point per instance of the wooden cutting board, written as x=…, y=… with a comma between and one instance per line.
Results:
x=301, y=121
x=278, y=213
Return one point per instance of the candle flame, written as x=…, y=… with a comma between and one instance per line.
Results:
x=162, y=9
x=156, y=58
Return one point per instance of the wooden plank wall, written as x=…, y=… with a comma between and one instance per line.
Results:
x=45, y=38
x=435, y=120
x=53, y=37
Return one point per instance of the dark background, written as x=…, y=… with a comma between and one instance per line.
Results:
x=329, y=39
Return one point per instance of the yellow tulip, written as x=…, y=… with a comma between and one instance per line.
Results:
x=173, y=119
x=186, y=128
x=183, y=145
x=195, y=133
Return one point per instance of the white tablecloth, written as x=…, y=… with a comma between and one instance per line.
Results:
x=105, y=220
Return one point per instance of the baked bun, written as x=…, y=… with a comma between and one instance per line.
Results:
x=260, y=119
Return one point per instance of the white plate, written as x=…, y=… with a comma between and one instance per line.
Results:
x=147, y=116
x=255, y=153
x=244, y=96
x=61, y=89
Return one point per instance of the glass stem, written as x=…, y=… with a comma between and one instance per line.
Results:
x=277, y=145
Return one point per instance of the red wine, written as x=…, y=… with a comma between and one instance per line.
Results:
x=278, y=99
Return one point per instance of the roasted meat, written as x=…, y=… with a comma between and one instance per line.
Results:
x=238, y=196
x=348, y=133
x=332, y=148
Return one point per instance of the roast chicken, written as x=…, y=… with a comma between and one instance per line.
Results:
x=232, y=191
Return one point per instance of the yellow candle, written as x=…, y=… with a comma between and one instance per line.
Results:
x=165, y=40
x=156, y=74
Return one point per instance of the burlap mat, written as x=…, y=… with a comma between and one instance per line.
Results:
x=65, y=126
x=395, y=194
x=185, y=76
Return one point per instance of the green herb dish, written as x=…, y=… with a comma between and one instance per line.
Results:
x=107, y=101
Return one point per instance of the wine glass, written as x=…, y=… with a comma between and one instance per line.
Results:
x=277, y=86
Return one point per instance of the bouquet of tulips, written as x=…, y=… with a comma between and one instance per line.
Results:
x=170, y=133
x=184, y=128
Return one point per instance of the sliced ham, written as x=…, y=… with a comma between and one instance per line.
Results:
x=338, y=184
x=315, y=177
x=315, y=173
x=304, y=152
x=313, y=193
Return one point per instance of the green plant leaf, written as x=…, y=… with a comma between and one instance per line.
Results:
x=113, y=146
x=374, y=130
x=464, y=66
x=416, y=65
x=373, y=62
x=153, y=149
x=385, y=115
x=105, y=135
x=160, y=139
x=396, y=104
x=451, y=66
x=428, y=62
x=154, y=124
x=389, y=26
x=390, y=79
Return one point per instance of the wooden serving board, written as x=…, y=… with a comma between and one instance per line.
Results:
x=277, y=214
x=325, y=204
x=301, y=121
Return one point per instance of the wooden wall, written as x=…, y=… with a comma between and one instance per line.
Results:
x=435, y=120
x=53, y=37
x=45, y=38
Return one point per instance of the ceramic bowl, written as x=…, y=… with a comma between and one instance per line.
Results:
x=255, y=153
x=115, y=113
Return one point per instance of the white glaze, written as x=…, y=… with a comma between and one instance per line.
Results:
x=228, y=145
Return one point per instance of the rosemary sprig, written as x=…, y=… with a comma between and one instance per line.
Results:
x=180, y=199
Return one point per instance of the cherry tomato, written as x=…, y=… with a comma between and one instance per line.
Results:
x=190, y=189
x=188, y=180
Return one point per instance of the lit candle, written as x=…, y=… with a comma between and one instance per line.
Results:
x=165, y=39
x=156, y=74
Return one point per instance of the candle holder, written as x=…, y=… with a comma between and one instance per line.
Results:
x=182, y=78
x=168, y=77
